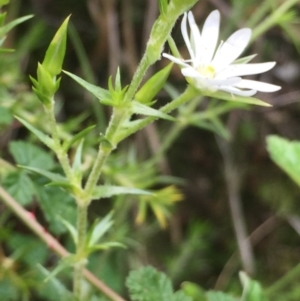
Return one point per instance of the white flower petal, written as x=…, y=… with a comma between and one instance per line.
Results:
x=231, y=48
x=236, y=91
x=196, y=42
x=176, y=60
x=190, y=72
x=210, y=35
x=186, y=36
x=256, y=85
x=245, y=69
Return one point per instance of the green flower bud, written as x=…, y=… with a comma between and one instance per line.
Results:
x=148, y=91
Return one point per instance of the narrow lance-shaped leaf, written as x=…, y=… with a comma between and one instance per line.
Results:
x=236, y=98
x=77, y=137
x=77, y=158
x=55, y=286
x=105, y=246
x=44, y=138
x=56, y=51
x=72, y=230
x=65, y=263
x=139, y=108
x=50, y=175
x=106, y=191
x=98, y=92
x=99, y=229
x=6, y=28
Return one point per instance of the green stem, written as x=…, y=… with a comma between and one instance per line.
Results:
x=105, y=149
x=61, y=155
x=187, y=95
x=284, y=281
x=80, y=248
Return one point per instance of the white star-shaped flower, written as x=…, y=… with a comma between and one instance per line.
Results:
x=211, y=69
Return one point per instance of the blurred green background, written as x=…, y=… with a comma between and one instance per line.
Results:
x=222, y=180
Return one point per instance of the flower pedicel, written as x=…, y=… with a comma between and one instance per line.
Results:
x=212, y=70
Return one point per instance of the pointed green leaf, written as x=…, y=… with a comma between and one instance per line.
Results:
x=236, y=98
x=56, y=51
x=139, y=108
x=107, y=191
x=65, y=263
x=44, y=138
x=149, y=90
x=98, y=92
x=118, y=84
x=77, y=137
x=62, y=184
x=6, y=28
x=105, y=246
x=98, y=229
x=286, y=154
x=53, y=288
x=72, y=230
x=77, y=165
x=50, y=175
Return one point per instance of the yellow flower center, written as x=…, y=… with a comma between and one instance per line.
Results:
x=207, y=71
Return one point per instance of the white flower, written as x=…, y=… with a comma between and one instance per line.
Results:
x=211, y=69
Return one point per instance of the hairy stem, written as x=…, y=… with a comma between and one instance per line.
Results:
x=61, y=155
x=80, y=248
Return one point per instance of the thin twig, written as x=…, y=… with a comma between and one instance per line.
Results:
x=233, y=186
x=255, y=237
x=28, y=218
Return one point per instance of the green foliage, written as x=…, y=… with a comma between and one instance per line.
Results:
x=194, y=291
x=139, y=108
x=5, y=116
x=106, y=191
x=25, y=153
x=8, y=291
x=20, y=186
x=46, y=84
x=28, y=249
x=235, y=98
x=219, y=296
x=97, y=231
x=41, y=136
x=53, y=289
x=102, y=94
x=286, y=155
x=56, y=51
x=153, y=85
x=252, y=290
x=147, y=284
x=56, y=203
